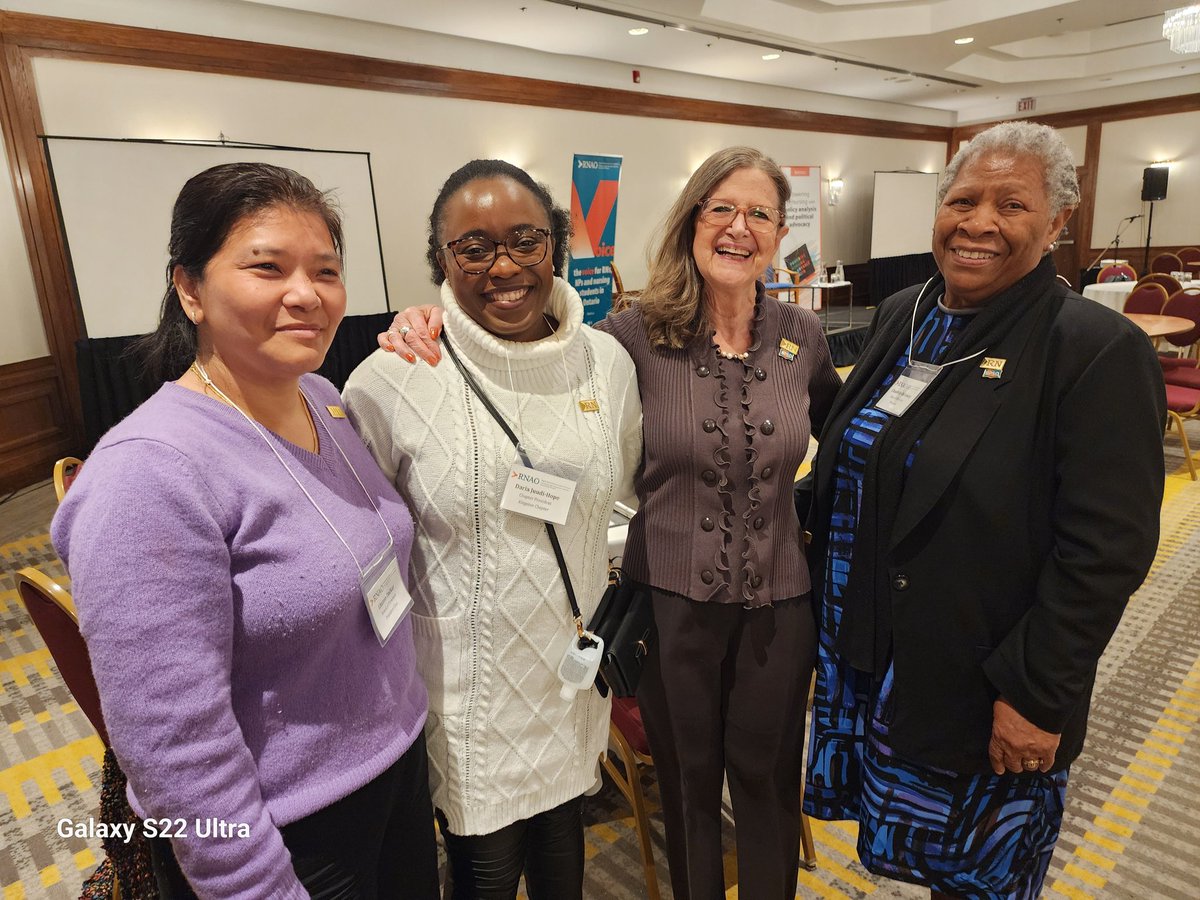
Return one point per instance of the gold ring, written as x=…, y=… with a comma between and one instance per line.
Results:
x=1031, y=765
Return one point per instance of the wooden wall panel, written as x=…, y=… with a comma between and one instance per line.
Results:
x=34, y=422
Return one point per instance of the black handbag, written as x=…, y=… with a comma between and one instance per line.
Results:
x=625, y=621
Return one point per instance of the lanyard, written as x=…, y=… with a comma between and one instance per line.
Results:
x=500, y=420
x=208, y=382
x=911, y=333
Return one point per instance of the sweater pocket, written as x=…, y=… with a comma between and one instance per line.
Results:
x=444, y=659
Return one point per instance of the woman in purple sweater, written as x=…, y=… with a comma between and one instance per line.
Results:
x=239, y=565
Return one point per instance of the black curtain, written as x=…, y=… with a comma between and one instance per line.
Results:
x=894, y=273
x=111, y=383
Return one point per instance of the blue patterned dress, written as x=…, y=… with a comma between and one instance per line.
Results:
x=978, y=836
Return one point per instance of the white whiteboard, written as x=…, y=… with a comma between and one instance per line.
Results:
x=902, y=215
x=115, y=198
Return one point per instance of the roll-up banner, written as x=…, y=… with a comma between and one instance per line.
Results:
x=594, y=183
x=801, y=246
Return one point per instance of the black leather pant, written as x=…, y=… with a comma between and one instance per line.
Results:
x=547, y=847
x=375, y=843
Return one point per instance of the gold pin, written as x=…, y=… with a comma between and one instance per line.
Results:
x=993, y=367
x=589, y=405
x=788, y=349
x=336, y=411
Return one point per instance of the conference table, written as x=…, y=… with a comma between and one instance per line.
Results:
x=1157, y=326
x=1110, y=293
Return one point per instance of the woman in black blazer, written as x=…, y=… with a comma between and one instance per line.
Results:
x=986, y=500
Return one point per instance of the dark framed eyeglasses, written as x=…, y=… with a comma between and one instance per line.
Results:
x=720, y=213
x=477, y=254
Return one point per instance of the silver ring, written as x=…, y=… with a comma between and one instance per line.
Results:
x=404, y=330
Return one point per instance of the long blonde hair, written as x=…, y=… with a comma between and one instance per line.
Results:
x=672, y=303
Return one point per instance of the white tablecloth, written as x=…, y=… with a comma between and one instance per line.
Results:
x=1112, y=293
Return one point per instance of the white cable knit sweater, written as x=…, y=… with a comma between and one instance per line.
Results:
x=491, y=618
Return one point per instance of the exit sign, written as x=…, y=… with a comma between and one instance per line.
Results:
x=1026, y=104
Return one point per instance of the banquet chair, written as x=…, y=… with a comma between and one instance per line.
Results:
x=1167, y=281
x=1146, y=298
x=1166, y=262
x=1183, y=403
x=1117, y=272
x=1189, y=255
x=1186, y=305
x=66, y=470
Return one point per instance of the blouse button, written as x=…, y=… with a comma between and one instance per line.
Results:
x=759, y=522
x=706, y=576
x=707, y=523
x=756, y=581
x=766, y=472
x=900, y=583
x=709, y=476
x=768, y=427
x=702, y=371
x=710, y=425
x=760, y=374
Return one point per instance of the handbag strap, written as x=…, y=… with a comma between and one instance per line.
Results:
x=500, y=420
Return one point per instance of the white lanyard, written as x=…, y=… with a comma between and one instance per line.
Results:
x=208, y=382
x=911, y=334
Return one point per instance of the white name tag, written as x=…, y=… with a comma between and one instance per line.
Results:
x=538, y=494
x=383, y=590
x=907, y=388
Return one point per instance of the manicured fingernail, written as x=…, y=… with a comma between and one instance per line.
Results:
x=434, y=333
x=388, y=348
x=410, y=357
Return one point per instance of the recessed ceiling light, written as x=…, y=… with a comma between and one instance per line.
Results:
x=770, y=56
x=963, y=40
x=638, y=32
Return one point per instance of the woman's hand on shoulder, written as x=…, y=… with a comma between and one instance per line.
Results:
x=1015, y=739
x=414, y=332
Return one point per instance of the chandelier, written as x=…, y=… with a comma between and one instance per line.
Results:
x=1182, y=27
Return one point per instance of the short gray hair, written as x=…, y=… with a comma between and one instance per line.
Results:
x=1041, y=142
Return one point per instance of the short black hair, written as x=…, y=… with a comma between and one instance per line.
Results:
x=210, y=205
x=560, y=219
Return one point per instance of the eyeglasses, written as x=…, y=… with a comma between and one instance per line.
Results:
x=476, y=254
x=720, y=213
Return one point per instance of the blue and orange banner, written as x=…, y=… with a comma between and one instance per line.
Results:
x=595, y=181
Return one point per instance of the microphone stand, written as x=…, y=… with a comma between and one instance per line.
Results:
x=1146, y=257
x=1115, y=243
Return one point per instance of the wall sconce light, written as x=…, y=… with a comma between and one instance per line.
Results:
x=835, y=190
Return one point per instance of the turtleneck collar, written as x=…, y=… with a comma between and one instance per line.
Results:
x=487, y=351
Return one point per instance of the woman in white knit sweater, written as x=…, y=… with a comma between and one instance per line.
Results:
x=509, y=758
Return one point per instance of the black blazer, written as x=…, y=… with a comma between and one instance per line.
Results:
x=1028, y=518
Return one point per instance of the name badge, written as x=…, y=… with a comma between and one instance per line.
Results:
x=383, y=590
x=538, y=494
x=907, y=388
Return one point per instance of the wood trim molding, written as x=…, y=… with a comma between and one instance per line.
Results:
x=1139, y=109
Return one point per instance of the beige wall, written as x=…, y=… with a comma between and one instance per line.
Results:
x=417, y=141
x=1126, y=148
x=21, y=336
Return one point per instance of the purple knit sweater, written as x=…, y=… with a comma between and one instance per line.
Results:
x=239, y=674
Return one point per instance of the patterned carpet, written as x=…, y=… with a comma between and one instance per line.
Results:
x=1132, y=828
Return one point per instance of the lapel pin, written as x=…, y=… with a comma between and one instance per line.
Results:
x=788, y=349
x=589, y=405
x=993, y=367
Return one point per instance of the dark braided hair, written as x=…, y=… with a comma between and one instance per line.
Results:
x=209, y=207
x=560, y=219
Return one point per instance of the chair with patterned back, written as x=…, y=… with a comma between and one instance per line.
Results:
x=1166, y=262
x=1117, y=272
x=66, y=470
x=1189, y=255
x=1169, y=282
x=1146, y=298
x=1185, y=304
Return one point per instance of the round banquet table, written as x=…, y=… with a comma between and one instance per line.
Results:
x=1160, y=326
